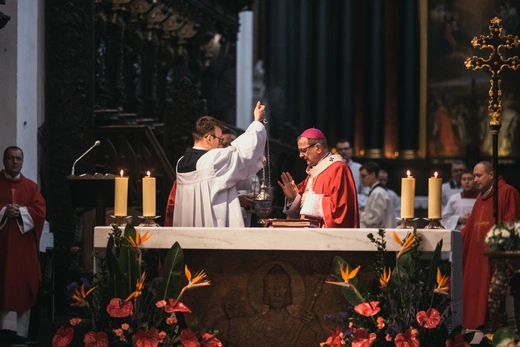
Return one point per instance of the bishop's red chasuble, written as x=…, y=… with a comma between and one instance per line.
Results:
x=19, y=252
x=476, y=272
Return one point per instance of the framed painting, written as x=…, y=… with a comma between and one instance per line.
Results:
x=457, y=119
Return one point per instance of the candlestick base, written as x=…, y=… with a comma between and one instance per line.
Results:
x=407, y=223
x=148, y=221
x=434, y=224
x=121, y=221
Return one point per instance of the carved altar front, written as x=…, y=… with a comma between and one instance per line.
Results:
x=267, y=284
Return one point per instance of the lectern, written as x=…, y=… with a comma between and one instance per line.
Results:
x=88, y=192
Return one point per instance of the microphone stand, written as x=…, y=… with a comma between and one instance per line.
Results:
x=97, y=143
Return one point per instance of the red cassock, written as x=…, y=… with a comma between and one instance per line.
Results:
x=476, y=272
x=339, y=202
x=168, y=218
x=20, y=275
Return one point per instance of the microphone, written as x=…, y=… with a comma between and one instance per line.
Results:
x=97, y=143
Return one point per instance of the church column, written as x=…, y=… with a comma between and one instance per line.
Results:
x=244, y=73
x=323, y=65
x=374, y=99
x=408, y=76
x=21, y=64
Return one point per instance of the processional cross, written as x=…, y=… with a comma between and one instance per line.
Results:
x=494, y=63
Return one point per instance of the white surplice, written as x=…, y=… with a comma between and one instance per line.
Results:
x=379, y=210
x=208, y=197
x=456, y=207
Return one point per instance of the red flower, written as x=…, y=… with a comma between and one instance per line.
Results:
x=209, y=340
x=119, y=308
x=62, y=337
x=429, y=319
x=368, y=308
x=147, y=339
x=408, y=339
x=336, y=338
x=362, y=339
x=176, y=306
x=459, y=342
x=96, y=340
x=189, y=339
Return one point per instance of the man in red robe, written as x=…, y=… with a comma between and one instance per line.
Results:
x=475, y=266
x=22, y=214
x=328, y=194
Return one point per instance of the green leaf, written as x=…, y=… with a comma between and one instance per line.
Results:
x=128, y=263
x=115, y=277
x=171, y=273
x=350, y=293
x=434, y=264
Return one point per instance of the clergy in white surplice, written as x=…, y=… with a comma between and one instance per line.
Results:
x=207, y=175
x=456, y=212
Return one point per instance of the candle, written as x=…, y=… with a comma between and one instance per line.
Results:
x=434, y=197
x=407, y=196
x=121, y=196
x=148, y=195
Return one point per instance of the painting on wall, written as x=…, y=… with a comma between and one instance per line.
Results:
x=457, y=98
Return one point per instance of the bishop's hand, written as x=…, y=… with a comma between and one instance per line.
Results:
x=288, y=186
x=259, y=112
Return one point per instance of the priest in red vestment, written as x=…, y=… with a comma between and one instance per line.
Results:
x=476, y=272
x=328, y=194
x=22, y=214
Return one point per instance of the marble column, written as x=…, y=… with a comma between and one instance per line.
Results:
x=244, y=97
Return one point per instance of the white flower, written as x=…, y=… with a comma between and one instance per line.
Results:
x=505, y=233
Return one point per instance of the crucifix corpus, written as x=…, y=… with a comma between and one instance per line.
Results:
x=494, y=63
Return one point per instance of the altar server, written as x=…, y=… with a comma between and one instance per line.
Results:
x=456, y=213
x=207, y=175
x=328, y=194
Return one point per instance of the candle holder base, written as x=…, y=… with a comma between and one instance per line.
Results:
x=148, y=221
x=434, y=224
x=121, y=221
x=407, y=223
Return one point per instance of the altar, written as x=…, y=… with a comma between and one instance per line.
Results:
x=237, y=260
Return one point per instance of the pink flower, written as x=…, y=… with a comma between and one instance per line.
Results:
x=429, y=319
x=175, y=306
x=117, y=332
x=459, y=342
x=368, y=308
x=147, y=339
x=408, y=339
x=62, y=337
x=75, y=321
x=189, y=339
x=380, y=323
x=362, y=339
x=125, y=326
x=93, y=339
x=209, y=340
x=160, y=303
x=171, y=320
x=119, y=308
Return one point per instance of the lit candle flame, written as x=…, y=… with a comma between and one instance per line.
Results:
x=148, y=173
x=408, y=173
x=435, y=174
x=121, y=172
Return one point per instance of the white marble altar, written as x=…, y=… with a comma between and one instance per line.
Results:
x=301, y=239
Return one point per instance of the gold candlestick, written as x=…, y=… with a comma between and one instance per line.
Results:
x=121, y=221
x=149, y=221
x=407, y=223
x=434, y=224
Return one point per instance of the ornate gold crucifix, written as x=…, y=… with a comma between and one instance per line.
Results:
x=494, y=63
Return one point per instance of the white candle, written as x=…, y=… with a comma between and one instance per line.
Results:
x=434, y=197
x=407, y=196
x=148, y=195
x=121, y=196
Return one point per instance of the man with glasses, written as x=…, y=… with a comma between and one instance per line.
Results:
x=22, y=215
x=345, y=150
x=453, y=186
x=328, y=194
x=206, y=193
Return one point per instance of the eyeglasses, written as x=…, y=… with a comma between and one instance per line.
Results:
x=220, y=139
x=14, y=158
x=304, y=150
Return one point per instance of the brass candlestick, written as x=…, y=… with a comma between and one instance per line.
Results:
x=121, y=221
x=407, y=223
x=148, y=221
x=435, y=223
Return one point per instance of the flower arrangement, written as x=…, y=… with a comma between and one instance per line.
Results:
x=409, y=306
x=503, y=237
x=124, y=307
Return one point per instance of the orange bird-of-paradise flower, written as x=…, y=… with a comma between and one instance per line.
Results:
x=346, y=275
x=406, y=245
x=441, y=283
x=385, y=277
x=139, y=240
x=80, y=296
x=138, y=287
x=93, y=339
x=429, y=319
x=63, y=337
x=198, y=280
